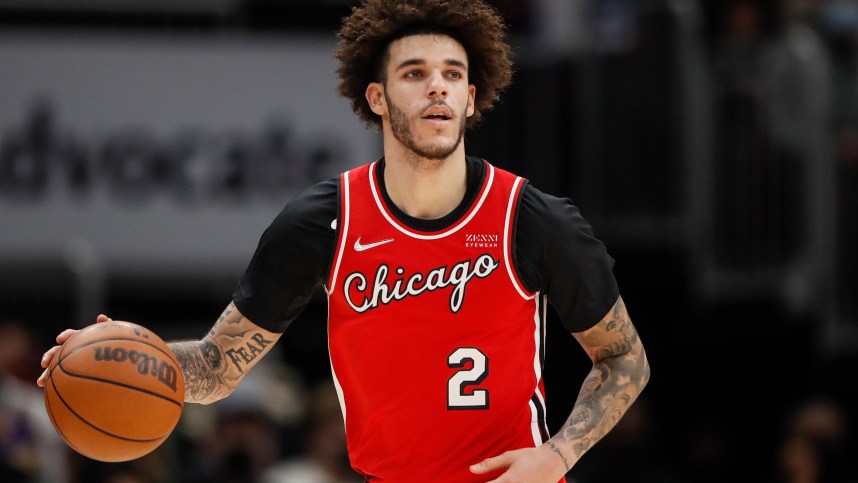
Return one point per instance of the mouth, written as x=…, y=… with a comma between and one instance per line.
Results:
x=438, y=113
x=437, y=117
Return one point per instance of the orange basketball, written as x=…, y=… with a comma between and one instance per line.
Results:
x=115, y=391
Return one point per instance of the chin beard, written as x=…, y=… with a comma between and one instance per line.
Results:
x=402, y=132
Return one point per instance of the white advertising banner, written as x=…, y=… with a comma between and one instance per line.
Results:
x=168, y=154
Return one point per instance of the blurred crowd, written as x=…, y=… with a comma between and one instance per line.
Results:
x=276, y=428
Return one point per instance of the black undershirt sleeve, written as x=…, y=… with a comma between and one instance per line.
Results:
x=292, y=259
x=555, y=250
x=558, y=255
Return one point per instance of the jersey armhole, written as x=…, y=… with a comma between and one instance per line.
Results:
x=342, y=221
x=510, y=224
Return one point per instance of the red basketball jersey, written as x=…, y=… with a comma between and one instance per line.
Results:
x=436, y=347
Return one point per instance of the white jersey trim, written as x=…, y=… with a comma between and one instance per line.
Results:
x=538, y=321
x=337, y=387
x=507, y=242
x=344, y=235
x=534, y=425
x=405, y=230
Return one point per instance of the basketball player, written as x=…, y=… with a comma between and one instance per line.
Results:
x=438, y=268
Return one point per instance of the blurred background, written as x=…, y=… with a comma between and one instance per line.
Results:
x=713, y=145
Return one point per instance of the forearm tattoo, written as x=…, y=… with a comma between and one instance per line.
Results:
x=203, y=368
x=214, y=366
x=553, y=446
x=619, y=373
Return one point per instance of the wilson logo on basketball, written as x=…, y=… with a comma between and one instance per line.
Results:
x=145, y=363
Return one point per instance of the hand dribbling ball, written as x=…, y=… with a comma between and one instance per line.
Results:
x=115, y=391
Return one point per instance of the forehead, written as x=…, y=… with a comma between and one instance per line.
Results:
x=426, y=47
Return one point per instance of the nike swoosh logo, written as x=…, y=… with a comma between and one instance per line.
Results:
x=359, y=247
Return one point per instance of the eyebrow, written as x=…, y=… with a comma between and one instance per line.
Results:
x=416, y=61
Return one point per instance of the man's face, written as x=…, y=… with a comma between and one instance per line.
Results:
x=426, y=97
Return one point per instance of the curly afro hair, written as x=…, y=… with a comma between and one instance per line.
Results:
x=370, y=29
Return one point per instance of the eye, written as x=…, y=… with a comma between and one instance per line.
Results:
x=454, y=74
x=414, y=73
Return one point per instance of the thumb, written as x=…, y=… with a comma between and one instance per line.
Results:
x=102, y=318
x=491, y=464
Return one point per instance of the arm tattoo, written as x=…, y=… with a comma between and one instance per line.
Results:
x=554, y=448
x=620, y=371
x=226, y=313
x=214, y=366
x=202, y=366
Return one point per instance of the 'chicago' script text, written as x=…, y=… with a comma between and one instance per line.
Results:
x=361, y=297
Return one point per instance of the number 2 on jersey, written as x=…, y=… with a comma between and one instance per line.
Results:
x=464, y=378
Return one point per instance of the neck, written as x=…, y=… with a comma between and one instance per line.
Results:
x=425, y=188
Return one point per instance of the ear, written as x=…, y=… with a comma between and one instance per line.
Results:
x=472, y=95
x=375, y=98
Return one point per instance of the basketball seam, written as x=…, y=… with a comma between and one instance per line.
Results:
x=51, y=368
x=72, y=351
x=115, y=383
x=55, y=422
x=93, y=426
x=131, y=339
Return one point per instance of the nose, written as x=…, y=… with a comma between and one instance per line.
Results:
x=437, y=85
